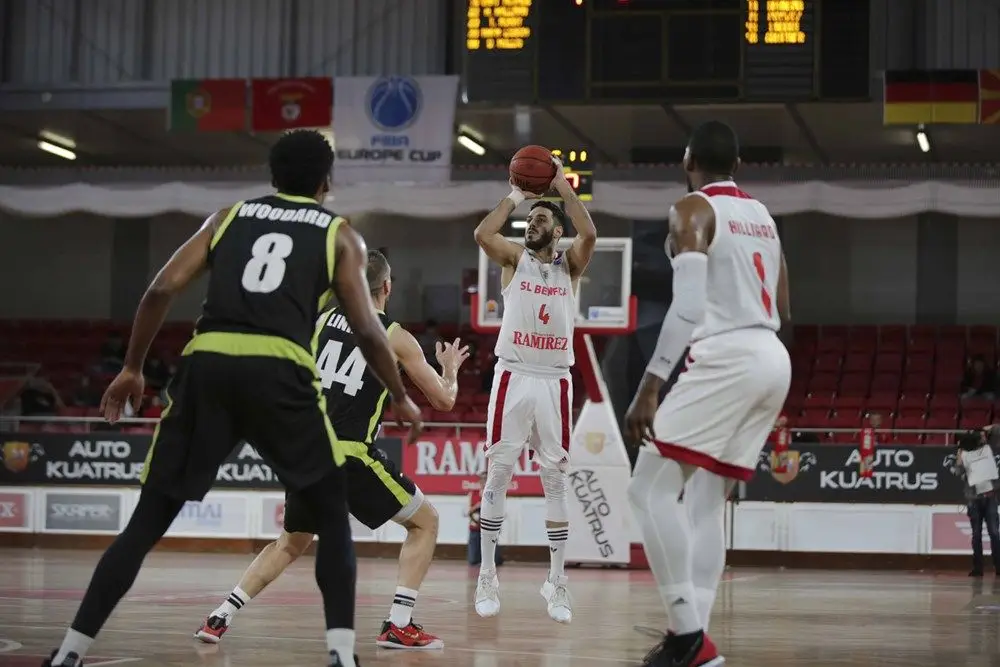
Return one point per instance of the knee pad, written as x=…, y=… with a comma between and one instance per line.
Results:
x=554, y=484
x=498, y=477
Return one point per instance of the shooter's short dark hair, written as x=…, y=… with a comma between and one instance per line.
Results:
x=558, y=214
x=300, y=162
x=715, y=149
x=378, y=270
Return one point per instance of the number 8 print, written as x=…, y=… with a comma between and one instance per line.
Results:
x=266, y=269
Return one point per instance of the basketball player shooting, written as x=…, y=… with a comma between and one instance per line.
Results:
x=730, y=286
x=531, y=398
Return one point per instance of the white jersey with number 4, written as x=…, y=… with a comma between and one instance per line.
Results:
x=744, y=260
x=539, y=313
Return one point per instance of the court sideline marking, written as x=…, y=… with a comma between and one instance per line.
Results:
x=300, y=639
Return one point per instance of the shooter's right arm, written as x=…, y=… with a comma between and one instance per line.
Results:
x=489, y=238
x=351, y=287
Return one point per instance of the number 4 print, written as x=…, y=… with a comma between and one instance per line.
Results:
x=543, y=315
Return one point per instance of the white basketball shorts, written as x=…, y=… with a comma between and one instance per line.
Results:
x=722, y=408
x=533, y=411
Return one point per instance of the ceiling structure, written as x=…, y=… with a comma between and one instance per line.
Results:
x=803, y=133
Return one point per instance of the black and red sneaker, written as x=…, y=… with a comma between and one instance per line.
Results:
x=412, y=638
x=72, y=660
x=213, y=629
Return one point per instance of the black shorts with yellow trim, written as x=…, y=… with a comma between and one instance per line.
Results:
x=231, y=388
x=376, y=492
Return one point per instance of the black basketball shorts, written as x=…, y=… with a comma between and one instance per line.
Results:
x=376, y=492
x=217, y=401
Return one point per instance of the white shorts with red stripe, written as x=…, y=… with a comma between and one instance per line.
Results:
x=530, y=410
x=724, y=405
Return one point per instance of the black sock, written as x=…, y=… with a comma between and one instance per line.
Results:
x=684, y=643
x=118, y=567
x=336, y=568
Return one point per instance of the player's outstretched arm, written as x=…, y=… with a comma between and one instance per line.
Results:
x=441, y=390
x=692, y=225
x=582, y=250
x=186, y=264
x=488, y=233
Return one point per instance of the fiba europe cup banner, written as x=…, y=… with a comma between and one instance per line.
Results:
x=394, y=128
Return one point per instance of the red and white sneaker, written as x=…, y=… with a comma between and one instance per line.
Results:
x=703, y=654
x=212, y=631
x=412, y=638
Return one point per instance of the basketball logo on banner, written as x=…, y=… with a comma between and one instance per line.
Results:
x=394, y=103
x=394, y=128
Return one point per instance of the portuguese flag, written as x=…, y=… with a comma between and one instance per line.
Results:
x=929, y=97
x=208, y=105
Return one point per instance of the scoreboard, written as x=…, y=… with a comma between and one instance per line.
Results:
x=526, y=51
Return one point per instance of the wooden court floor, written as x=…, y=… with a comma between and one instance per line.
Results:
x=763, y=618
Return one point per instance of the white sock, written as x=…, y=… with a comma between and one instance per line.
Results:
x=341, y=640
x=654, y=494
x=401, y=612
x=489, y=536
x=492, y=511
x=74, y=642
x=705, y=500
x=236, y=601
x=557, y=551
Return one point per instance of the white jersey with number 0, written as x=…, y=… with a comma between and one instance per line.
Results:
x=539, y=313
x=744, y=260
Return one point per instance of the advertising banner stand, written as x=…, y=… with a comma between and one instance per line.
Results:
x=599, y=514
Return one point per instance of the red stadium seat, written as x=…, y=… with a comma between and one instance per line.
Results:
x=855, y=384
x=813, y=418
x=882, y=402
x=915, y=422
x=889, y=361
x=923, y=332
x=849, y=403
x=823, y=383
x=884, y=383
x=805, y=332
x=943, y=421
x=818, y=401
x=924, y=345
x=920, y=363
x=937, y=439
x=858, y=361
x=847, y=419
x=891, y=332
x=831, y=345
x=941, y=402
x=828, y=362
x=846, y=438
x=952, y=332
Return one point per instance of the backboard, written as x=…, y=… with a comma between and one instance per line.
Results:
x=604, y=297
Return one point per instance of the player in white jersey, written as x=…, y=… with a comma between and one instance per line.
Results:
x=730, y=296
x=532, y=395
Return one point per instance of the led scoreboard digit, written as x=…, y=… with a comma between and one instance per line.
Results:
x=500, y=50
x=579, y=172
x=780, y=50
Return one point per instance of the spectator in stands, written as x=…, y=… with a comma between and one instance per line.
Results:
x=113, y=353
x=39, y=398
x=979, y=381
x=429, y=338
x=156, y=372
x=86, y=395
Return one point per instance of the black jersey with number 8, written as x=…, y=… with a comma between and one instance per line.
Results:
x=272, y=263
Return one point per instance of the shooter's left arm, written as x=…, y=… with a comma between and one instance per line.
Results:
x=582, y=250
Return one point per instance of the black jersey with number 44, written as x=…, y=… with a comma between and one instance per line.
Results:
x=272, y=263
x=355, y=398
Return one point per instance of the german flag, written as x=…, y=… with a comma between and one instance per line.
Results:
x=915, y=97
x=989, y=96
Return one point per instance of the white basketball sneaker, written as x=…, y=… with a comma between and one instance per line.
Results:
x=488, y=594
x=557, y=596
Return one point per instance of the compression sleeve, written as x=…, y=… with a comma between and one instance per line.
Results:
x=685, y=313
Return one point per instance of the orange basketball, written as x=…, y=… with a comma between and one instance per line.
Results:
x=532, y=169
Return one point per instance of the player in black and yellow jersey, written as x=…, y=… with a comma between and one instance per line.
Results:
x=249, y=373
x=377, y=492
